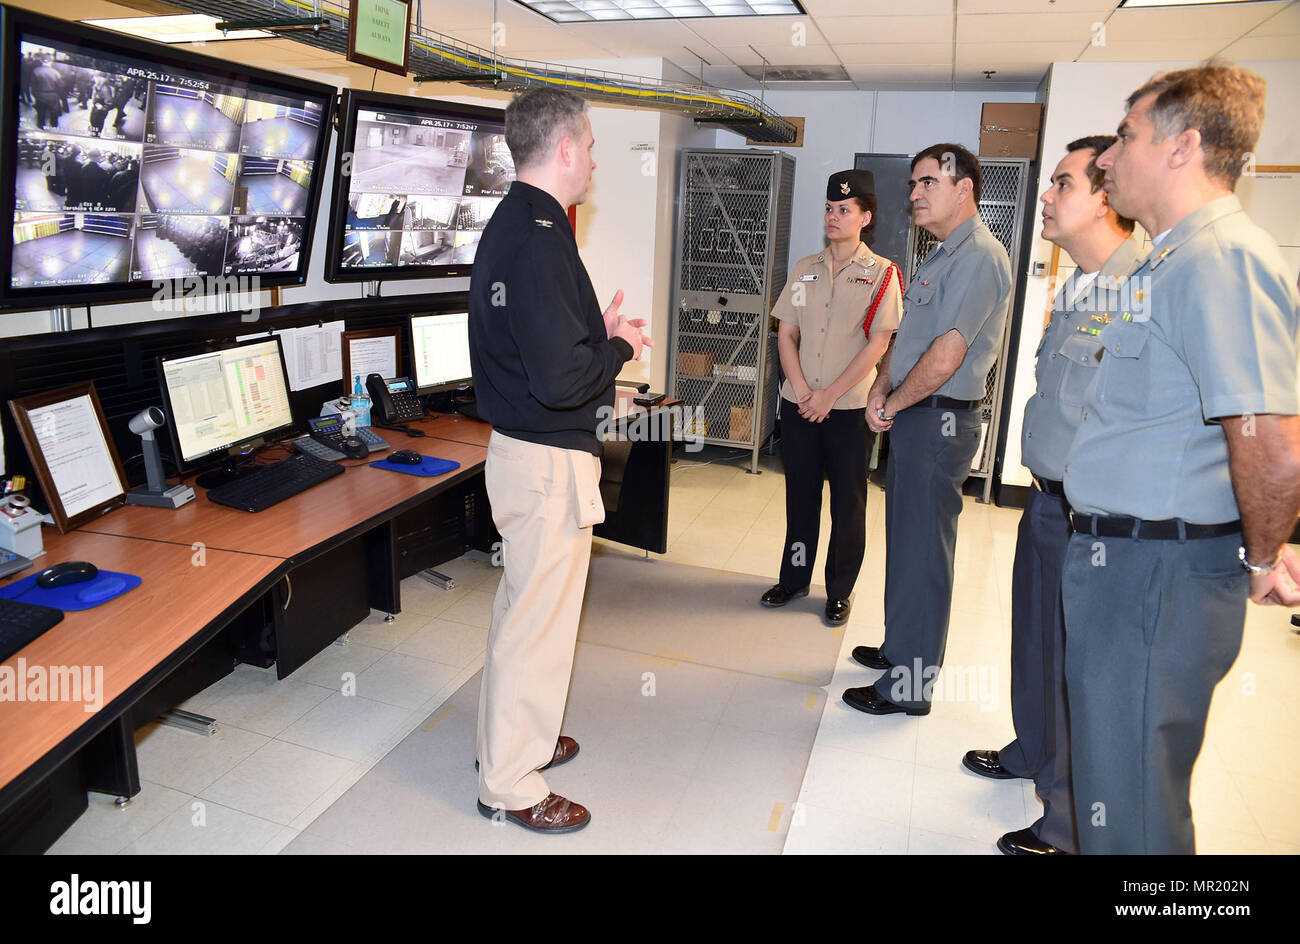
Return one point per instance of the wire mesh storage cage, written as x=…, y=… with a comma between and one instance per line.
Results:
x=1002, y=208
x=731, y=257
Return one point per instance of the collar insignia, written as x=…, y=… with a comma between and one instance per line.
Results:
x=546, y=223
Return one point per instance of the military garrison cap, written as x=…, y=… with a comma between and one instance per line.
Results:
x=850, y=183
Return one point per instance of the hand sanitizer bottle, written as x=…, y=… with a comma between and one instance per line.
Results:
x=360, y=404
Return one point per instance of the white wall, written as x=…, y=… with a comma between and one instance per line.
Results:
x=1088, y=98
x=841, y=124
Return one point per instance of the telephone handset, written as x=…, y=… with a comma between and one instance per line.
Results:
x=393, y=401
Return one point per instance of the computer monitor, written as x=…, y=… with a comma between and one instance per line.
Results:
x=415, y=182
x=440, y=348
x=139, y=170
x=219, y=402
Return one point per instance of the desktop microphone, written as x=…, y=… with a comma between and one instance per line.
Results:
x=156, y=493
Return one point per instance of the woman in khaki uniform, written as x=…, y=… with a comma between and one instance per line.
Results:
x=838, y=311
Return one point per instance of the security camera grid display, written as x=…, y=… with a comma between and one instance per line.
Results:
x=130, y=171
x=421, y=189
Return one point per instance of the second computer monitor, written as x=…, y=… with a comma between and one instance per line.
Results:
x=225, y=399
x=440, y=348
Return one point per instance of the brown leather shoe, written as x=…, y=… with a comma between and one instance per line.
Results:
x=555, y=814
x=566, y=748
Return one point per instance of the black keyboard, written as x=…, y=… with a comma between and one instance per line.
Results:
x=20, y=623
x=271, y=485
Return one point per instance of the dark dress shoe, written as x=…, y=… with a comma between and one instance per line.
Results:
x=555, y=814
x=869, y=700
x=566, y=748
x=837, y=611
x=1024, y=842
x=986, y=764
x=778, y=595
x=870, y=657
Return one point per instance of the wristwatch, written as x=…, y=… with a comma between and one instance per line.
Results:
x=1256, y=570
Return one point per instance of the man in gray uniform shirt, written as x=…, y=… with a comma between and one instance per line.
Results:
x=1184, y=477
x=1078, y=218
x=927, y=393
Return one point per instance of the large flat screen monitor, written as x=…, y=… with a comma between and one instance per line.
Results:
x=440, y=349
x=223, y=400
x=415, y=182
x=133, y=165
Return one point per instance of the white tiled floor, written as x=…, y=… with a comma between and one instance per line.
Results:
x=288, y=749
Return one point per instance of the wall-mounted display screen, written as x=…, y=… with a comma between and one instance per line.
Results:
x=415, y=184
x=131, y=163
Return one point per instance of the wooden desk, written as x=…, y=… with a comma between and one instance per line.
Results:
x=137, y=640
x=309, y=568
x=340, y=507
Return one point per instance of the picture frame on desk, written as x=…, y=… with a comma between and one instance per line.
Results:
x=72, y=453
x=368, y=363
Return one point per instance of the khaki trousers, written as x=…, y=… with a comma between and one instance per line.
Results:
x=545, y=501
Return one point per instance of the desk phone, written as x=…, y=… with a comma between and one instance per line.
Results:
x=394, y=401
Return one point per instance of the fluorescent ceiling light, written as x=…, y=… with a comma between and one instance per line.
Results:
x=1134, y=4
x=574, y=11
x=182, y=28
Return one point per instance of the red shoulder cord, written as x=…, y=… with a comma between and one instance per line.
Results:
x=880, y=296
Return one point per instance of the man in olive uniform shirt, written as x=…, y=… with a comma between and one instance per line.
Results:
x=1078, y=218
x=1184, y=477
x=927, y=394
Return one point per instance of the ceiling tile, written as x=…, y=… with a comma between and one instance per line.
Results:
x=1263, y=47
x=736, y=31
x=1027, y=27
x=1034, y=6
x=822, y=8
x=875, y=53
x=781, y=55
x=1018, y=73
x=990, y=55
x=900, y=72
x=1285, y=23
x=1152, y=50
x=1223, y=22
x=886, y=29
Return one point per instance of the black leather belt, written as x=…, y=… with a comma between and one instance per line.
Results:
x=1049, y=486
x=947, y=403
x=1171, y=529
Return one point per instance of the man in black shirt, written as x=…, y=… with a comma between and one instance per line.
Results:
x=544, y=359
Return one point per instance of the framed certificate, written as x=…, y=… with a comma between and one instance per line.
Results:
x=374, y=351
x=72, y=454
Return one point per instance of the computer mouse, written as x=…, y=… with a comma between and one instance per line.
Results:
x=354, y=447
x=405, y=457
x=60, y=575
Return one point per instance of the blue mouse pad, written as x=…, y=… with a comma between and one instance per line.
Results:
x=104, y=586
x=430, y=466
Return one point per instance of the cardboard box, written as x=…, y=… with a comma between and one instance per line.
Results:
x=742, y=419
x=695, y=363
x=1010, y=129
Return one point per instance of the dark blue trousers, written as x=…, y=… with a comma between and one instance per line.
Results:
x=1041, y=749
x=836, y=449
